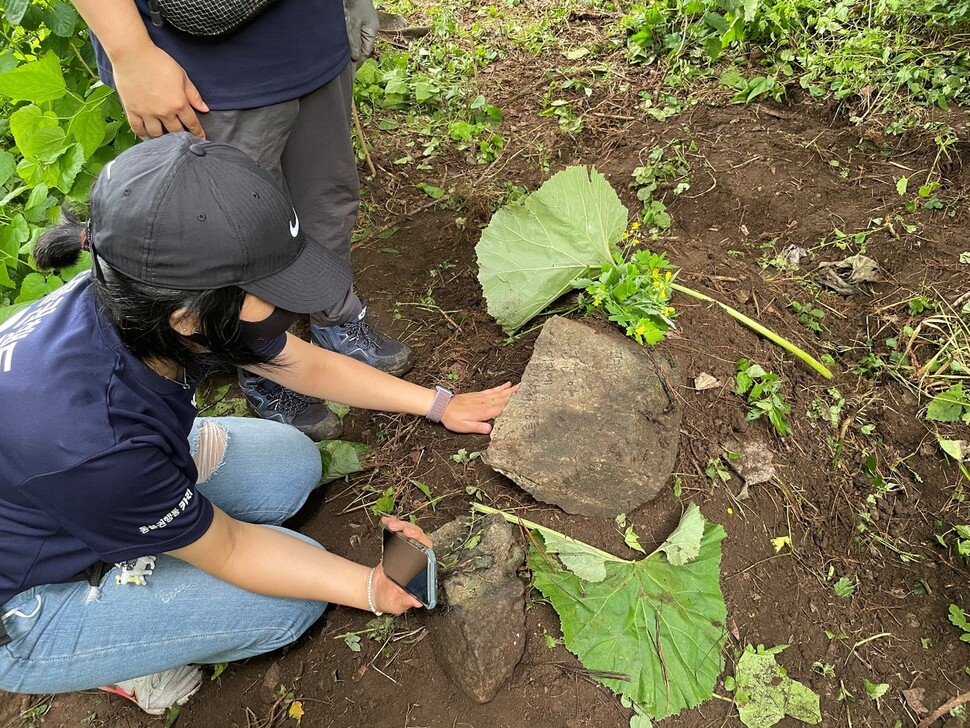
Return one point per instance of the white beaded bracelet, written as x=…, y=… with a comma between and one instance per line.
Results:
x=370, y=593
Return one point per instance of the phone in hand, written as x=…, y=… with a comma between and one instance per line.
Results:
x=412, y=566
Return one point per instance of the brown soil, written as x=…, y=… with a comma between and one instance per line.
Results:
x=762, y=178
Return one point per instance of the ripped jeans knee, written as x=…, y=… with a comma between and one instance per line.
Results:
x=210, y=449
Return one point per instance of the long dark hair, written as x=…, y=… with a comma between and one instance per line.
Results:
x=142, y=312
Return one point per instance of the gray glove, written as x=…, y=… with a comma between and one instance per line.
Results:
x=362, y=27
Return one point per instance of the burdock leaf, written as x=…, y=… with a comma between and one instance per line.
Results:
x=684, y=543
x=658, y=623
x=531, y=253
x=586, y=565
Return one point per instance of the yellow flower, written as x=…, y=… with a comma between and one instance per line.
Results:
x=640, y=330
x=635, y=225
x=666, y=311
x=296, y=711
x=597, y=302
x=626, y=236
x=668, y=275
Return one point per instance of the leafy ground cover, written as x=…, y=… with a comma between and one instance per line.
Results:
x=853, y=554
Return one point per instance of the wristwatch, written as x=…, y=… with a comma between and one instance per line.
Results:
x=442, y=397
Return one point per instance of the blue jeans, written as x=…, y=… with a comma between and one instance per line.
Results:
x=64, y=641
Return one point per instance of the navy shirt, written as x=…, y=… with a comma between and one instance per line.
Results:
x=95, y=462
x=291, y=49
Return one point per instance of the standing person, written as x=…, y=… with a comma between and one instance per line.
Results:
x=279, y=87
x=196, y=259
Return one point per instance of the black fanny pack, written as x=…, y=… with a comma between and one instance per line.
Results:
x=206, y=17
x=92, y=575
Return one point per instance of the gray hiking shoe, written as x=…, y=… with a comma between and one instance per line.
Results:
x=359, y=340
x=271, y=401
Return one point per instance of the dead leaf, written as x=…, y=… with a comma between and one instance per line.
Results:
x=959, y=450
x=793, y=254
x=827, y=276
x=864, y=269
x=751, y=460
x=841, y=276
x=705, y=381
x=780, y=542
x=914, y=698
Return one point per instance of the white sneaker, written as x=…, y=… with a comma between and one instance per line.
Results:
x=158, y=692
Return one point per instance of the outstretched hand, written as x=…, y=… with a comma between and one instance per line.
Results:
x=471, y=412
x=388, y=596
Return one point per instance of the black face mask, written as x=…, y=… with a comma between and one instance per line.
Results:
x=264, y=336
x=261, y=337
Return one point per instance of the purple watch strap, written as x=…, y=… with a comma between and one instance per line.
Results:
x=441, y=398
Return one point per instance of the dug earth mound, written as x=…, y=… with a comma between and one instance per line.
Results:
x=595, y=425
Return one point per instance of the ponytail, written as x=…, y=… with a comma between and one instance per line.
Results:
x=60, y=246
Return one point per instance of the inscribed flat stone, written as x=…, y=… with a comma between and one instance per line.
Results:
x=595, y=425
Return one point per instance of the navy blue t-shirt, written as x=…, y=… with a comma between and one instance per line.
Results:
x=291, y=49
x=95, y=463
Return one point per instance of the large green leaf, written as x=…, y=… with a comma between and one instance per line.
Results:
x=11, y=236
x=35, y=81
x=658, y=625
x=37, y=285
x=684, y=543
x=69, y=165
x=531, y=252
x=62, y=19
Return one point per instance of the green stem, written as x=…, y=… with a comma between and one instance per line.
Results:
x=545, y=530
x=755, y=326
x=87, y=68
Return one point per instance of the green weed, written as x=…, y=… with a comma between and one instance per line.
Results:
x=884, y=57
x=634, y=293
x=844, y=587
x=958, y=618
x=665, y=169
x=762, y=390
x=715, y=469
x=809, y=315
x=961, y=541
x=463, y=457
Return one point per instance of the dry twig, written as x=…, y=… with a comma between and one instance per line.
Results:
x=943, y=709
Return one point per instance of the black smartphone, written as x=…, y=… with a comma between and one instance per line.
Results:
x=412, y=566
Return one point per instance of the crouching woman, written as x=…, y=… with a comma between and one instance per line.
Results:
x=135, y=539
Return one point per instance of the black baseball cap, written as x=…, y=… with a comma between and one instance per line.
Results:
x=183, y=213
